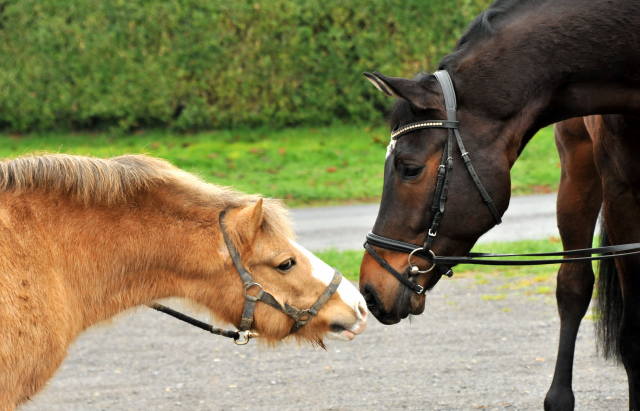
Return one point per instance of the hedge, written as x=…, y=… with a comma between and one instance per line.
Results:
x=198, y=64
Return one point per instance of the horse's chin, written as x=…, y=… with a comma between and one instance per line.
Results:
x=417, y=304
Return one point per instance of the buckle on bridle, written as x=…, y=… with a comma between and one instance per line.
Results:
x=432, y=234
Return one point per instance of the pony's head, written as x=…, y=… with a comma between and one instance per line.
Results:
x=292, y=274
x=410, y=178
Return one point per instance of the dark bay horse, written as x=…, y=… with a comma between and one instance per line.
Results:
x=519, y=67
x=83, y=239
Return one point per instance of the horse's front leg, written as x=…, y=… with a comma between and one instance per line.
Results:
x=579, y=201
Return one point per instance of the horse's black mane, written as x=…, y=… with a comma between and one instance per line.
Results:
x=483, y=25
x=487, y=24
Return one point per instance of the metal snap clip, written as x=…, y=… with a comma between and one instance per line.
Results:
x=247, y=336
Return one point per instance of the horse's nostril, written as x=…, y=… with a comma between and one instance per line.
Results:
x=370, y=300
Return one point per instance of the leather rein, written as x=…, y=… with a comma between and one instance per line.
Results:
x=438, y=206
x=301, y=317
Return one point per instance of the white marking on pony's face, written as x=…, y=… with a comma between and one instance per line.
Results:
x=390, y=147
x=347, y=292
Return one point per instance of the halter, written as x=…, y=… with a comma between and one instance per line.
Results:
x=438, y=205
x=301, y=317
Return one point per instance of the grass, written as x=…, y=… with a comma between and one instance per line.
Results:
x=536, y=277
x=537, y=171
x=304, y=166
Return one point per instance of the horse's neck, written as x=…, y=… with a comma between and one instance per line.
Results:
x=566, y=58
x=114, y=258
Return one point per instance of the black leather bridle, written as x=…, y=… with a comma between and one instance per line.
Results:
x=438, y=206
x=301, y=317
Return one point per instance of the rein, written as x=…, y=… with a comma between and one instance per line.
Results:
x=438, y=206
x=301, y=317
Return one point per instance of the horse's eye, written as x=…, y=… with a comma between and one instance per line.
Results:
x=412, y=172
x=287, y=265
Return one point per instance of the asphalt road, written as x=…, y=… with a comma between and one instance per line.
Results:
x=344, y=228
x=477, y=346
x=466, y=352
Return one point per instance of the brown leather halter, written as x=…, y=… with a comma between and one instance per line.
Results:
x=301, y=317
x=440, y=199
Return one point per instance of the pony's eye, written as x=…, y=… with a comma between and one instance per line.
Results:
x=287, y=265
x=412, y=172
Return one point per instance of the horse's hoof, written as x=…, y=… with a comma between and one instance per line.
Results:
x=558, y=400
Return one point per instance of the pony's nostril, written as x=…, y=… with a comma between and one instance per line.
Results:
x=363, y=310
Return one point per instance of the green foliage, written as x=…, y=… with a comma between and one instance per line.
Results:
x=192, y=64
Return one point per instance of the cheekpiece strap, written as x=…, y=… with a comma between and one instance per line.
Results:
x=247, y=279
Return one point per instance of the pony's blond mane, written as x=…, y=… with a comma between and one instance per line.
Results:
x=94, y=180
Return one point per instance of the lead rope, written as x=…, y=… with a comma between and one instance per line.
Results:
x=204, y=326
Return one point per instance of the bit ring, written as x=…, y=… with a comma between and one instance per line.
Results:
x=414, y=268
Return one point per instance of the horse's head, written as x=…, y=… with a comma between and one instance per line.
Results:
x=410, y=178
x=294, y=277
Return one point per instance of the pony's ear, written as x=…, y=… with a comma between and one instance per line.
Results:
x=249, y=220
x=419, y=93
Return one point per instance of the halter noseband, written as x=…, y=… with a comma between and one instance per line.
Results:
x=440, y=196
x=301, y=317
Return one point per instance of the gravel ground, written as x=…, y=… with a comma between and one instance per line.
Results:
x=467, y=351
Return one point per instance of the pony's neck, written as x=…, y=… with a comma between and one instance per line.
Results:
x=129, y=255
x=560, y=59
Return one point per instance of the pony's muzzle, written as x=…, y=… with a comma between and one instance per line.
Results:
x=347, y=332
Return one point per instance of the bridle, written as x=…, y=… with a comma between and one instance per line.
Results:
x=438, y=205
x=301, y=317
x=440, y=196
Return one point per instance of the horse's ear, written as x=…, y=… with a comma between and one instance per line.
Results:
x=249, y=220
x=418, y=93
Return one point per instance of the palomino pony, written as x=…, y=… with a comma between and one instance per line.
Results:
x=520, y=66
x=83, y=239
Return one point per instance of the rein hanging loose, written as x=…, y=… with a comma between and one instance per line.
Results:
x=438, y=206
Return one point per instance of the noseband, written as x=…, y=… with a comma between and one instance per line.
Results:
x=301, y=317
x=438, y=205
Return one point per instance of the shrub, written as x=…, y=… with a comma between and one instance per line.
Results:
x=193, y=64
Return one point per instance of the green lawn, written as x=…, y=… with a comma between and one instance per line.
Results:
x=304, y=166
